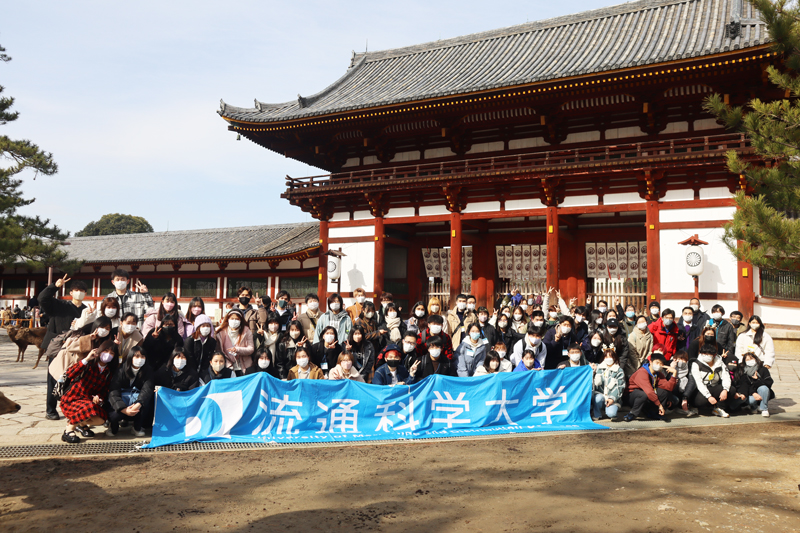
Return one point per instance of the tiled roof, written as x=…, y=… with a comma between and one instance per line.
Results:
x=625, y=35
x=223, y=243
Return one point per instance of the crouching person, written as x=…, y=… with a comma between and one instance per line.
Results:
x=131, y=393
x=713, y=381
x=83, y=403
x=758, y=383
x=609, y=385
x=393, y=372
x=650, y=389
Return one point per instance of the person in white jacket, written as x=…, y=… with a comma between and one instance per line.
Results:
x=713, y=382
x=532, y=341
x=758, y=341
x=501, y=351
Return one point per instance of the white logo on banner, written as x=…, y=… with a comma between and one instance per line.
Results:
x=503, y=412
x=454, y=406
x=551, y=401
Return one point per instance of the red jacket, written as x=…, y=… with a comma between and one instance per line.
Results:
x=667, y=338
x=643, y=380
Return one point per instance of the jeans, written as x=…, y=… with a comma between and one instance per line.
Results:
x=599, y=402
x=763, y=391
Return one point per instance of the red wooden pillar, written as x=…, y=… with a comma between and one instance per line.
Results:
x=455, y=256
x=379, y=256
x=552, y=247
x=745, y=287
x=322, y=278
x=653, y=252
x=479, y=272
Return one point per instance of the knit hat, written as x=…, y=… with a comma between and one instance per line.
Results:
x=199, y=320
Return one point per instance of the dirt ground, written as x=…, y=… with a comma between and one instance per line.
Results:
x=732, y=478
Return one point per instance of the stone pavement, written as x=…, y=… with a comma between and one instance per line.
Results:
x=29, y=426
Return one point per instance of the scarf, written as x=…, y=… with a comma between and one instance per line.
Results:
x=750, y=370
x=269, y=342
x=394, y=329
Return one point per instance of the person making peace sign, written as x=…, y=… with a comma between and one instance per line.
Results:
x=129, y=301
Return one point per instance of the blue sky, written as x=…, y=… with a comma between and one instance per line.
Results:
x=125, y=94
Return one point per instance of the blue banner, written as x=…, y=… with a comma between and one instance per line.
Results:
x=260, y=408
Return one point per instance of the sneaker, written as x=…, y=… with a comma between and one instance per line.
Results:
x=718, y=411
x=629, y=418
x=692, y=412
x=70, y=437
x=110, y=433
x=137, y=432
x=52, y=416
x=124, y=423
x=765, y=414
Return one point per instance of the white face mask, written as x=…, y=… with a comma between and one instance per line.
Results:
x=435, y=353
x=408, y=347
x=110, y=312
x=434, y=308
x=127, y=329
x=695, y=307
x=205, y=331
x=530, y=301
x=302, y=362
x=654, y=311
x=263, y=363
x=272, y=328
x=574, y=357
x=483, y=318
x=538, y=323
x=471, y=307
x=501, y=354
x=219, y=366
x=335, y=306
x=705, y=359
x=529, y=363
x=461, y=306
x=754, y=326
x=328, y=338
x=369, y=315
x=596, y=342
x=566, y=330
x=717, y=316
x=667, y=321
x=179, y=363
x=578, y=319
x=101, y=332
x=534, y=341
x=553, y=315
x=234, y=324
x=361, y=299
x=391, y=314
x=138, y=362
x=78, y=295
x=524, y=307
x=602, y=309
x=436, y=329
x=517, y=317
x=751, y=362
x=313, y=305
x=419, y=313
x=493, y=365
x=120, y=285
x=295, y=334
x=655, y=368
x=642, y=326
x=613, y=330
x=347, y=365
x=599, y=321
x=608, y=361
x=688, y=318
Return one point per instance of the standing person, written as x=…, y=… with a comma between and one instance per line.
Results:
x=665, y=332
x=713, y=381
x=196, y=308
x=758, y=341
x=471, y=352
x=620, y=340
x=235, y=340
x=128, y=336
x=688, y=328
x=628, y=319
x=61, y=314
x=326, y=352
x=650, y=389
x=609, y=386
x=558, y=341
x=368, y=321
x=201, y=345
x=505, y=333
x=392, y=324
x=130, y=394
x=129, y=301
x=363, y=352
x=267, y=340
x=355, y=310
x=83, y=403
x=459, y=319
x=519, y=320
x=284, y=310
x=168, y=306
x=701, y=318
x=435, y=308
x=532, y=341
x=726, y=334
x=436, y=324
x=418, y=321
x=487, y=330
x=310, y=316
x=581, y=327
x=736, y=321
x=253, y=316
x=655, y=312
x=640, y=346
x=335, y=317
x=161, y=342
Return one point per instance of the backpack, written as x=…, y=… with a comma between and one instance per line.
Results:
x=64, y=384
x=59, y=361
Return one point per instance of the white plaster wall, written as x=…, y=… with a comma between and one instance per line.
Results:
x=678, y=305
x=532, y=142
x=354, y=231
x=676, y=127
x=575, y=201
x=433, y=153
x=413, y=155
x=478, y=207
x=371, y=160
x=712, y=193
x=720, y=274
x=706, y=124
x=352, y=162
x=400, y=212
x=479, y=148
x=531, y=203
x=362, y=215
x=292, y=264
x=623, y=198
x=358, y=267
x=428, y=210
x=773, y=314
x=696, y=215
x=624, y=133
x=582, y=137
x=340, y=217
x=678, y=195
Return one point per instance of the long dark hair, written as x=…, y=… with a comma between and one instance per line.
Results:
x=162, y=312
x=491, y=356
x=196, y=301
x=353, y=343
x=759, y=336
x=286, y=337
x=127, y=364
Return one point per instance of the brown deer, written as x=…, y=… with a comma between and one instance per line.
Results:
x=24, y=337
x=7, y=406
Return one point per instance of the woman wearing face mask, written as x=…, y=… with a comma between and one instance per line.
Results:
x=310, y=317
x=392, y=325
x=86, y=343
x=519, y=320
x=436, y=327
x=434, y=307
x=177, y=374
x=616, y=336
x=609, y=386
x=528, y=361
x=713, y=381
x=491, y=365
x=263, y=364
x=168, y=306
x=592, y=346
x=336, y=317
x=471, y=352
x=160, y=343
x=362, y=352
x=109, y=308
x=131, y=393
x=200, y=346
x=288, y=344
x=756, y=384
x=551, y=317
x=505, y=311
x=505, y=333
x=196, y=308
x=83, y=403
x=685, y=389
x=325, y=353
x=640, y=346
x=419, y=319
x=502, y=352
x=345, y=369
x=128, y=336
x=304, y=369
x=266, y=338
x=595, y=321
x=707, y=337
x=235, y=340
x=758, y=341
x=368, y=321
x=217, y=369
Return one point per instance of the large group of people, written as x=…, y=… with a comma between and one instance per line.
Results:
x=653, y=361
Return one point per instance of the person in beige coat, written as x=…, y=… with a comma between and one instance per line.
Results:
x=309, y=318
x=459, y=320
x=640, y=346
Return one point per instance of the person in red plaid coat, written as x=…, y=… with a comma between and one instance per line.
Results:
x=83, y=402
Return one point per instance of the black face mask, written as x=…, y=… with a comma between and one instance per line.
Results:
x=735, y=322
x=393, y=363
x=244, y=300
x=167, y=329
x=710, y=339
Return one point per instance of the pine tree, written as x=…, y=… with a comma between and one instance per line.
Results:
x=24, y=239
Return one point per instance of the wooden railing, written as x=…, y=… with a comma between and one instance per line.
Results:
x=530, y=161
x=781, y=284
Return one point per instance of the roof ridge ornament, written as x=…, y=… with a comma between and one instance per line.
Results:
x=734, y=28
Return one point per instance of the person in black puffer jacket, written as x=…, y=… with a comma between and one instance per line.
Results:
x=177, y=374
x=130, y=396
